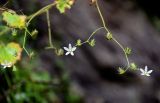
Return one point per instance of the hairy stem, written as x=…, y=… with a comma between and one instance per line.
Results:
x=24, y=43
x=41, y=11
x=126, y=56
x=93, y=33
x=101, y=16
x=104, y=25
x=49, y=31
x=30, y=18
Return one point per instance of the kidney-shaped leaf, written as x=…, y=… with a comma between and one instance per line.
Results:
x=10, y=54
x=14, y=20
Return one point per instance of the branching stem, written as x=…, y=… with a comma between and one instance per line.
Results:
x=93, y=33
x=24, y=42
x=39, y=12
x=31, y=17
x=120, y=45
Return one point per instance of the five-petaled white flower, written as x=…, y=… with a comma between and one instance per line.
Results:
x=145, y=71
x=6, y=64
x=70, y=50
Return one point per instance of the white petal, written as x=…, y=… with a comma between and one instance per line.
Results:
x=146, y=68
x=9, y=66
x=65, y=48
x=74, y=48
x=147, y=74
x=142, y=70
x=143, y=74
x=4, y=67
x=70, y=47
x=150, y=71
x=67, y=53
x=72, y=53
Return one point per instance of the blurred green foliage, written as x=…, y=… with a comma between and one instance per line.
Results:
x=156, y=22
x=29, y=85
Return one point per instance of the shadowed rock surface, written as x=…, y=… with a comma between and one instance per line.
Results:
x=93, y=71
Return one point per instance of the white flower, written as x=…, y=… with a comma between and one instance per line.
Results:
x=70, y=50
x=6, y=64
x=145, y=71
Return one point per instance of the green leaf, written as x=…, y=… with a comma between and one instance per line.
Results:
x=109, y=36
x=128, y=51
x=20, y=96
x=63, y=5
x=92, y=42
x=40, y=76
x=14, y=68
x=121, y=70
x=79, y=42
x=13, y=20
x=34, y=34
x=133, y=66
x=4, y=30
x=14, y=32
x=32, y=54
x=10, y=54
x=59, y=52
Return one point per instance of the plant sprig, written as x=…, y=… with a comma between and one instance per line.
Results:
x=62, y=5
x=113, y=38
x=109, y=36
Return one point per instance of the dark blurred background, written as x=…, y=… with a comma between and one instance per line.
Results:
x=93, y=71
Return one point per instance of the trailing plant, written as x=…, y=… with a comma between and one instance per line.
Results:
x=10, y=52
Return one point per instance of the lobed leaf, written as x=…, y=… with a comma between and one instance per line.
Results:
x=63, y=5
x=14, y=20
x=10, y=54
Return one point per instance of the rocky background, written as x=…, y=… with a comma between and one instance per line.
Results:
x=93, y=71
